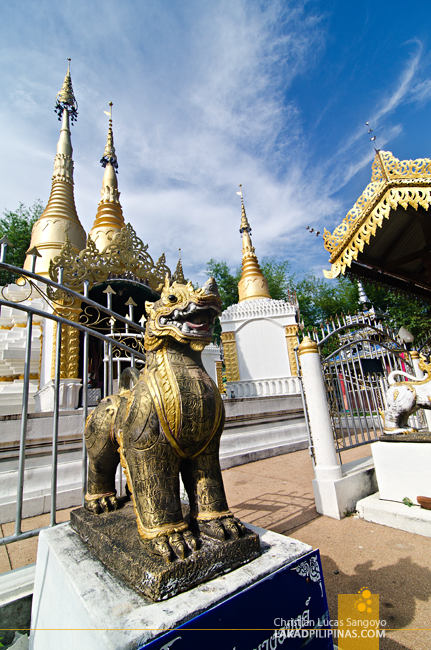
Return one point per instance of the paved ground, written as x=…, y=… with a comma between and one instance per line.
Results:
x=276, y=494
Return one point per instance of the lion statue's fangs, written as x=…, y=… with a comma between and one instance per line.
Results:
x=169, y=423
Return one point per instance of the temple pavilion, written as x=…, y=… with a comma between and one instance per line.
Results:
x=386, y=237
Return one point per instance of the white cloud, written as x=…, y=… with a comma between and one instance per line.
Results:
x=199, y=92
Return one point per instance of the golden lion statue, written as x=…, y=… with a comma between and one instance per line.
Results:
x=169, y=423
x=405, y=397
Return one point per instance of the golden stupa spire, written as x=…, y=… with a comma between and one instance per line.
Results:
x=59, y=219
x=179, y=273
x=109, y=218
x=253, y=283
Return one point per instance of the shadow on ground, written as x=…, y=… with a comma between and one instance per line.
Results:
x=398, y=586
x=278, y=511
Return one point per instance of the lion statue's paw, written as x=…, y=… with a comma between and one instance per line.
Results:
x=178, y=544
x=101, y=503
x=400, y=430
x=221, y=528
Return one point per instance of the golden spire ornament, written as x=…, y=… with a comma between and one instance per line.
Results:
x=59, y=220
x=179, y=274
x=109, y=218
x=253, y=284
x=66, y=98
x=109, y=155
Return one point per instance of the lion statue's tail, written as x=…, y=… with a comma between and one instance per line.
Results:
x=128, y=376
x=392, y=380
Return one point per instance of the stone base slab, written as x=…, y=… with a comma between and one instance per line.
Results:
x=395, y=515
x=78, y=603
x=338, y=497
x=16, y=591
x=114, y=539
x=402, y=470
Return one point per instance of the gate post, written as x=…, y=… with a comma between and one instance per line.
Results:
x=326, y=470
x=414, y=354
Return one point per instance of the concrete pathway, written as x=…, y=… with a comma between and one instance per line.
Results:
x=276, y=494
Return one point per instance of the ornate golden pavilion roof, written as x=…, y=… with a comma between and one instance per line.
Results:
x=400, y=191
x=253, y=284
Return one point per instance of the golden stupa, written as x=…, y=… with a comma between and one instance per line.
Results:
x=109, y=218
x=59, y=221
x=253, y=284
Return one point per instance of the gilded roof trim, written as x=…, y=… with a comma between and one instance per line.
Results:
x=393, y=182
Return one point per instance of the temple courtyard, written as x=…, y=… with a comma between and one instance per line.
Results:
x=276, y=494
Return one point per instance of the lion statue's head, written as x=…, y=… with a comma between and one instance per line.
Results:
x=184, y=314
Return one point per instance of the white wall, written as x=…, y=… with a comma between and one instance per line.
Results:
x=262, y=350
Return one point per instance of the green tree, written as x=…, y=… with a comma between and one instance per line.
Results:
x=320, y=300
x=227, y=281
x=17, y=226
x=402, y=310
x=279, y=277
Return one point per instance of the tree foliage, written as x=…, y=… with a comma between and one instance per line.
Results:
x=320, y=300
x=227, y=282
x=411, y=312
x=17, y=226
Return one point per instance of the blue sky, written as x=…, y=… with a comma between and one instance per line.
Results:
x=212, y=93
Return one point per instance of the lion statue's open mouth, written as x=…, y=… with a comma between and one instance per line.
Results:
x=184, y=313
x=193, y=320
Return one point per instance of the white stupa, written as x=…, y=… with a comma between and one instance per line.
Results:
x=259, y=334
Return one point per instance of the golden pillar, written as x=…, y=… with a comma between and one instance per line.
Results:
x=230, y=356
x=69, y=353
x=219, y=375
x=291, y=333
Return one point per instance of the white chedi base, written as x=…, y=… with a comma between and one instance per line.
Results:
x=261, y=347
x=211, y=354
x=263, y=387
x=68, y=395
x=402, y=470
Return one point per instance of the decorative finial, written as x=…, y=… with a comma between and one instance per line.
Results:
x=245, y=226
x=179, y=275
x=362, y=295
x=66, y=99
x=109, y=155
x=370, y=130
x=252, y=284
